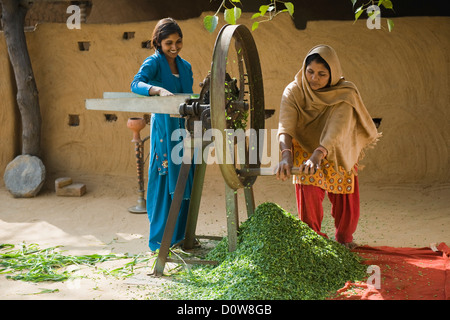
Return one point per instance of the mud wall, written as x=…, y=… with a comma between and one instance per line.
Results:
x=403, y=77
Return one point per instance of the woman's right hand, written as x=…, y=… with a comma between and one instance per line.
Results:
x=283, y=169
x=159, y=91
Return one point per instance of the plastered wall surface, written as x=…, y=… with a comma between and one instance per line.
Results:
x=403, y=78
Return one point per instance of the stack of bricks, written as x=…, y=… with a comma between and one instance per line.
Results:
x=65, y=187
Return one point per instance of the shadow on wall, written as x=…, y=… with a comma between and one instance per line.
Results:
x=105, y=11
x=124, y=11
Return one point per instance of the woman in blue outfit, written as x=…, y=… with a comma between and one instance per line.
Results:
x=164, y=73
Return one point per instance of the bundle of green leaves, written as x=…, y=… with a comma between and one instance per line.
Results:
x=278, y=257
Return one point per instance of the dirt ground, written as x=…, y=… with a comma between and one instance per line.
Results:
x=99, y=222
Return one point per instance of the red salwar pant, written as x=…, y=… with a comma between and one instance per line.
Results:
x=344, y=209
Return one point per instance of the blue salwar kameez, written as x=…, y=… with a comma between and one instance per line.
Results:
x=163, y=173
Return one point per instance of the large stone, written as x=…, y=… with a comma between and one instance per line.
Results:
x=24, y=176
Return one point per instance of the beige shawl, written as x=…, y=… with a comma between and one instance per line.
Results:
x=334, y=117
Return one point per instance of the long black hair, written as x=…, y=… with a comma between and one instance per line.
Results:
x=164, y=28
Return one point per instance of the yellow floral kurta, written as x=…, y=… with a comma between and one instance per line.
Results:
x=326, y=177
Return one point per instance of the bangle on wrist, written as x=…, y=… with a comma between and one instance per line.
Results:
x=286, y=150
x=323, y=150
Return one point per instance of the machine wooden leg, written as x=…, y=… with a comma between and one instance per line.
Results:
x=249, y=201
x=232, y=217
x=172, y=219
x=194, y=205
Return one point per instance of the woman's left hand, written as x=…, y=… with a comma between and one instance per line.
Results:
x=312, y=164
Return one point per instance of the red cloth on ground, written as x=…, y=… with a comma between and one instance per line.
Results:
x=345, y=210
x=405, y=274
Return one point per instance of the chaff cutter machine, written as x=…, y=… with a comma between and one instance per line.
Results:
x=232, y=97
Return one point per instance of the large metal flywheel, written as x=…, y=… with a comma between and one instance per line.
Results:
x=237, y=102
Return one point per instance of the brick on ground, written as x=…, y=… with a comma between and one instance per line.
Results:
x=64, y=187
x=62, y=182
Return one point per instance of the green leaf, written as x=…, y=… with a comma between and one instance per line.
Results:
x=263, y=9
x=237, y=13
x=373, y=14
x=255, y=25
x=43, y=290
x=390, y=24
x=290, y=7
x=388, y=4
x=358, y=12
x=256, y=15
x=229, y=16
x=210, y=23
x=353, y=3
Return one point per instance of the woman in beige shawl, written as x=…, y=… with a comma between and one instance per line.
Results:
x=323, y=130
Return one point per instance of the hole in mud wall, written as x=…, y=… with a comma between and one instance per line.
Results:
x=128, y=35
x=377, y=122
x=146, y=44
x=84, y=45
x=74, y=120
x=147, y=118
x=110, y=117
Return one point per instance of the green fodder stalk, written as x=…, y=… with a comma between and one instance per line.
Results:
x=30, y=263
x=277, y=257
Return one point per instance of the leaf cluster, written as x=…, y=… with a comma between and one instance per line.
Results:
x=387, y=4
x=231, y=15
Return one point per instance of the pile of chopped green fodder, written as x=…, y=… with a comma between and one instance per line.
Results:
x=277, y=257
